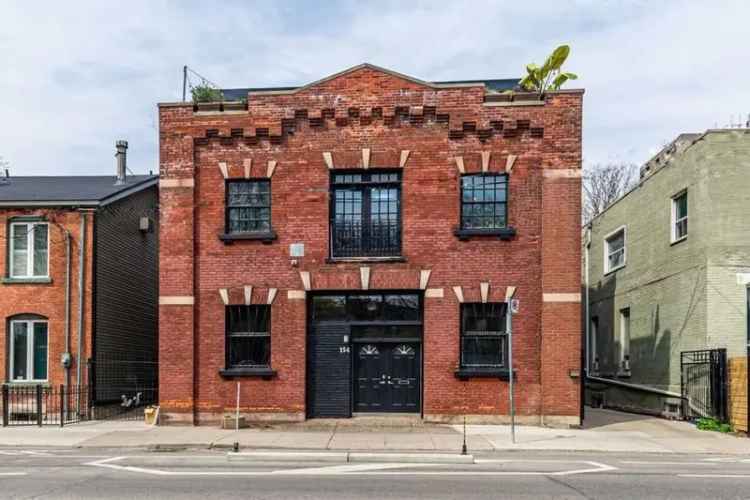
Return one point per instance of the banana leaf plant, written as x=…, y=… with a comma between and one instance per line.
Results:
x=548, y=76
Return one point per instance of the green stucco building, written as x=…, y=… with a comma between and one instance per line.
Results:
x=668, y=271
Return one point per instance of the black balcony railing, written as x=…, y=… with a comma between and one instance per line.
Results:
x=377, y=239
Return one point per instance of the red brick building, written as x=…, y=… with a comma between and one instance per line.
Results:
x=348, y=246
x=79, y=282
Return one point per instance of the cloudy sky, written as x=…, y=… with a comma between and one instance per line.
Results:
x=78, y=75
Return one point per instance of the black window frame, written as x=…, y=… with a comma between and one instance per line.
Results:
x=248, y=369
x=505, y=231
x=266, y=235
x=497, y=370
x=368, y=246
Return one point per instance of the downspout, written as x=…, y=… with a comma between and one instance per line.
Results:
x=586, y=320
x=66, y=353
x=81, y=275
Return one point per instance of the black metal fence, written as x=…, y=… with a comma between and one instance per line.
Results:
x=122, y=388
x=376, y=239
x=704, y=384
x=43, y=405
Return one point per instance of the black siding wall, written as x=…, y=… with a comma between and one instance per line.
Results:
x=126, y=291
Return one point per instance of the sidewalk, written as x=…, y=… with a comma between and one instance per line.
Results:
x=604, y=431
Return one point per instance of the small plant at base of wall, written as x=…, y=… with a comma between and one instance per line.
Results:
x=710, y=424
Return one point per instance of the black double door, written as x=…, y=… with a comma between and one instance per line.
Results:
x=387, y=377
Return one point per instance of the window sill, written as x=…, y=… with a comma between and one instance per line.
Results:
x=467, y=373
x=614, y=270
x=28, y=383
x=264, y=373
x=680, y=240
x=265, y=237
x=506, y=233
x=335, y=260
x=26, y=281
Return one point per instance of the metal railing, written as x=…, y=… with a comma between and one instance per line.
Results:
x=40, y=405
x=377, y=239
x=704, y=384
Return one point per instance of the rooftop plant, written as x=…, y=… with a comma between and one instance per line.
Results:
x=548, y=76
x=206, y=93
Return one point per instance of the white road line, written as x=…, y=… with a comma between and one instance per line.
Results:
x=345, y=469
x=13, y=473
x=356, y=469
x=646, y=462
x=717, y=476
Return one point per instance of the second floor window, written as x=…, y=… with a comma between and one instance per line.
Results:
x=29, y=250
x=679, y=217
x=614, y=250
x=484, y=201
x=366, y=214
x=248, y=206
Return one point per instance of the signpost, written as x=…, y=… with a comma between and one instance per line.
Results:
x=512, y=308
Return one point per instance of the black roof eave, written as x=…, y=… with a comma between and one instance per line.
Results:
x=85, y=203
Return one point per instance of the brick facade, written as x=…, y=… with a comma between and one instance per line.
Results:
x=48, y=299
x=434, y=128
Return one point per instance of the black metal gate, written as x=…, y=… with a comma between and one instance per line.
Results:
x=121, y=389
x=704, y=384
x=38, y=404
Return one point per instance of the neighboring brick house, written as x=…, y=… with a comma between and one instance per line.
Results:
x=79, y=280
x=669, y=267
x=315, y=248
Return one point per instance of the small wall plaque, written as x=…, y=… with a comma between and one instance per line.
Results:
x=297, y=250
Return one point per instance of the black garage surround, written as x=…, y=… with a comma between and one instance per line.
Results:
x=364, y=353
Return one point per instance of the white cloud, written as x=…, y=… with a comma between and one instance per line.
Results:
x=78, y=76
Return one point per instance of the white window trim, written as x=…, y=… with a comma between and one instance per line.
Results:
x=29, y=249
x=673, y=218
x=624, y=230
x=29, y=350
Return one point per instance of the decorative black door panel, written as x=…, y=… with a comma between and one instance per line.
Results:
x=387, y=377
x=404, y=377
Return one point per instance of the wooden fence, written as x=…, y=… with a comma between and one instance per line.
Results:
x=738, y=393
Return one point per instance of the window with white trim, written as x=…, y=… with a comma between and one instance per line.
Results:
x=614, y=250
x=679, y=217
x=29, y=250
x=28, y=350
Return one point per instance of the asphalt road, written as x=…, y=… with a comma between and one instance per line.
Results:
x=130, y=473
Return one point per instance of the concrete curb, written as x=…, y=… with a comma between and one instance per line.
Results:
x=348, y=457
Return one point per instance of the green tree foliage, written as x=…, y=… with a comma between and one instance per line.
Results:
x=548, y=76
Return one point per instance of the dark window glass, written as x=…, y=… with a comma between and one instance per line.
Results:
x=402, y=308
x=248, y=206
x=20, y=334
x=366, y=307
x=40, y=351
x=483, y=335
x=386, y=332
x=329, y=308
x=484, y=201
x=248, y=336
x=366, y=218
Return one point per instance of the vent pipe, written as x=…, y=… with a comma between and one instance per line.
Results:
x=122, y=162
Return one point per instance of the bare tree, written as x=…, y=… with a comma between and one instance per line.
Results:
x=604, y=184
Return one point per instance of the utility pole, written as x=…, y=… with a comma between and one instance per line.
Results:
x=509, y=293
x=184, y=82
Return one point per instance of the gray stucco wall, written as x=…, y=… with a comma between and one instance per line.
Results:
x=685, y=295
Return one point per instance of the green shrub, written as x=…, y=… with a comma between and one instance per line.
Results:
x=206, y=93
x=711, y=424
